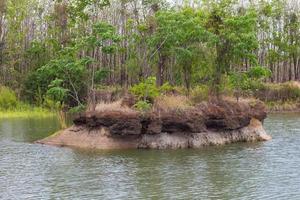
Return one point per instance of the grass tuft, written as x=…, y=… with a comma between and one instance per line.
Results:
x=172, y=102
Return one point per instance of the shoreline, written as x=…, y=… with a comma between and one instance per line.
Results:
x=26, y=114
x=284, y=112
x=279, y=108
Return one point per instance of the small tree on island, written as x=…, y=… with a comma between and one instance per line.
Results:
x=55, y=98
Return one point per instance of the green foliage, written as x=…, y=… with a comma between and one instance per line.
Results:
x=101, y=74
x=239, y=81
x=181, y=34
x=8, y=99
x=55, y=97
x=259, y=73
x=165, y=88
x=143, y=106
x=73, y=70
x=51, y=104
x=250, y=80
x=78, y=8
x=247, y=83
x=200, y=93
x=26, y=112
x=56, y=92
x=234, y=36
x=209, y=44
x=77, y=109
x=147, y=90
x=103, y=35
x=67, y=70
x=10, y=106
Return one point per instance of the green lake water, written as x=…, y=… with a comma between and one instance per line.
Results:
x=265, y=170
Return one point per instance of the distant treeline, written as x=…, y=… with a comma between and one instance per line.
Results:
x=79, y=44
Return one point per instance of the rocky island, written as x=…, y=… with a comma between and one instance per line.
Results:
x=214, y=122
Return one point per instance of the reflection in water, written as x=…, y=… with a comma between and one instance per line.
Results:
x=267, y=170
x=28, y=129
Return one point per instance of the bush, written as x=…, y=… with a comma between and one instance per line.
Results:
x=143, y=106
x=8, y=99
x=165, y=88
x=247, y=83
x=200, y=93
x=51, y=104
x=259, y=73
x=77, y=109
x=147, y=89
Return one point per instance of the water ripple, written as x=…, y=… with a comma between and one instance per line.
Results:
x=260, y=171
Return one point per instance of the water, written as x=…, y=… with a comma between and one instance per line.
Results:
x=269, y=170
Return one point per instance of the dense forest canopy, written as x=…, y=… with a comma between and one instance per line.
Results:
x=72, y=46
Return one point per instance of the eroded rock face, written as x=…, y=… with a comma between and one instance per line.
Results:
x=227, y=115
x=251, y=133
x=218, y=115
x=213, y=123
x=118, y=123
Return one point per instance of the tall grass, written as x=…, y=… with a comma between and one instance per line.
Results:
x=11, y=107
x=279, y=92
x=113, y=106
x=26, y=113
x=8, y=98
x=172, y=102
